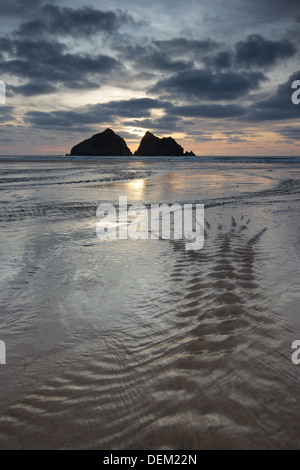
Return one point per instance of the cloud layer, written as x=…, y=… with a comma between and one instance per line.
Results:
x=152, y=68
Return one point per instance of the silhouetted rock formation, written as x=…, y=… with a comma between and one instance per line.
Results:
x=152, y=146
x=189, y=154
x=104, y=144
x=109, y=144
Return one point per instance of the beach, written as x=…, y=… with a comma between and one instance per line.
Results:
x=142, y=344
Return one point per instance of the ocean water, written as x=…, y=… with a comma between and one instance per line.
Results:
x=123, y=344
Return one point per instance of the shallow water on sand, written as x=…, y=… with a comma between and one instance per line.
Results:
x=122, y=344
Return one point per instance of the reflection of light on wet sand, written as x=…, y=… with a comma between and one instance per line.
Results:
x=136, y=188
x=138, y=184
x=214, y=183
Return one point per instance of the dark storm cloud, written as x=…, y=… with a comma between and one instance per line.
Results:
x=180, y=54
x=289, y=133
x=221, y=60
x=6, y=45
x=66, y=67
x=259, y=52
x=156, y=60
x=278, y=106
x=207, y=85
x=209, y=111
x=164, y=123
x=33, y=54
x=140, y=107
x=255, y=52
x=63, y=119
x=19, y=7
x=46, y=63
x=275, y=9
x=243, y=14
x=30, y=49
x=6, y=113
x=84, y=21
x=166, y=56
x=148, y=57
x=182, y=46
x=95, y=114
x=32, y=89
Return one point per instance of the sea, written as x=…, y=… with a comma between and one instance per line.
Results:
x=144, y=344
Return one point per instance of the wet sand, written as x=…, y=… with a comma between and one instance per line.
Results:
x=123, y=344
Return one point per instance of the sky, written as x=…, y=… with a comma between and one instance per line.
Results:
x=215, y=75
